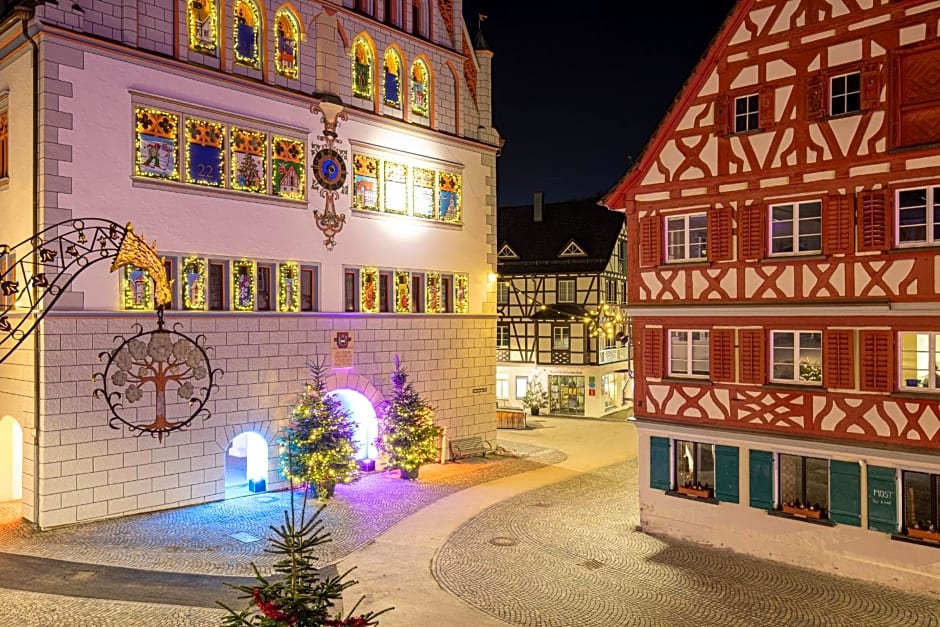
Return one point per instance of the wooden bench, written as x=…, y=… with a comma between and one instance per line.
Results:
x=507, y=418
x=464, y=447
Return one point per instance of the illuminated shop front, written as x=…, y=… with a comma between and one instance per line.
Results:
x=566, y=394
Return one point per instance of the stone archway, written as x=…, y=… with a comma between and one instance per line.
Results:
x=11, y=460
x=363, y=402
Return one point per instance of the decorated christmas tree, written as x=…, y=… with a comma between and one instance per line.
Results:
x=535, y=396
x=296, y=595
x=319, y=448
x=407, y=433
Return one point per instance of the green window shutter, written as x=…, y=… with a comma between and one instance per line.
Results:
x=845, y=493
x=659, y=463
x=761, y=465
x=726, y=473
x=883, y=499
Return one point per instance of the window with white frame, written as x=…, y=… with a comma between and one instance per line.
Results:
x=566, y=291
x=918, y=215
x=920, y=360
x=845, y=93
x=561, y=338
x=796, y=356
x=796, y=228
x=688, y=353
x=502, y=336
x=502, y=293
x=686, y=237
x=502, y=387
x=746, y=113
x=522, y=386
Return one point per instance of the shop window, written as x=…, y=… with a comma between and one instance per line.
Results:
x=217, y=296
x=918, y=216
x=695, y=465
x=804, y=483
x=921, y=502
x=308, y=285
x=522, y=386
x=417, y=293
x=350, y=293
x=502, y=336
x=688, y=353
x=263, y=288
x=687, y=237
x=561, y=338
x=746, y=113
x=796, y=228
x=845, y=93
x=920, y=361
x=566, y=291
x=566, y=395
x=502, y=387
x=796, y=356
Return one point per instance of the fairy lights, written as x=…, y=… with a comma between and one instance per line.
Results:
x=402, y=291
x=369, y=289
x=194, y=283
x=203, y=26
x=138, y=294
x=243, y=285
x=288, y=293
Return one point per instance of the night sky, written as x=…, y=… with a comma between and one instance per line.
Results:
x=576, y=94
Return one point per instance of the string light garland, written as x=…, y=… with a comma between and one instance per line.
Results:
x=287, y=42
x=203, y=26
x=369, y=290
x=433, y=295
x=288, y=295
x=362, y=68
x=461, y=293
x=138, y=293
x=402, y=291
x=194, y=284
x=205, y=153
x=246, y=14
x=243, y=285
x=157, y=143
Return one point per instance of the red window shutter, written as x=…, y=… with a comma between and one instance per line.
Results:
x=650, y=241
x=652, y=352
x=752, y=356
x=876, y=358
x=871, y=86
x=766, y=115
x=816, y=97
x=719, y=234
x=721, y=354
x=837, y=224
x=839, y=359
x=751, y=232
x=874, y=221
x=722, y=116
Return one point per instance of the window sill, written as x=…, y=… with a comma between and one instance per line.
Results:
x=908, y=394
x=794, y=387
x=685, y=380
x=789, y=257
x=685, y=263
x=908, y=247
x=823, y=522
x=679, y=495
x=903, y=537
x=375, y=214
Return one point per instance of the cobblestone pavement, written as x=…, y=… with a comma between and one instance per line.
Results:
x=568, y=554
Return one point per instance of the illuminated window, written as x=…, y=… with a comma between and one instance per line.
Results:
x=920, y=360
x=921, y=504
x=804, y=481
x=247, y=34
x=392, y=83
x=502, y=387
x=420, y=88
x=796, y=228
x=695, y=464
x=362, y=68
x=561, y=338
x=203, y=26
x=796, y=356
x=688, y=353
x=566, y=291
x=918, y=216
x=287, y=43
x=502, y=336
x=502, y=293
x=686, y=237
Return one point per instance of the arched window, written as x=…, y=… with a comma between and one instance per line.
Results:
x=247, y=33
x=203, y=26
x=286, y=43
x=362, y=68
x=392, y=12
x=420, y=16
x=420, y=88
x=392, y=81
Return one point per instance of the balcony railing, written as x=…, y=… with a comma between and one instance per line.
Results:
x=610, y=355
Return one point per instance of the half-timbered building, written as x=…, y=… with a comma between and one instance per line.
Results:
x=784, y=279
x=560, y=293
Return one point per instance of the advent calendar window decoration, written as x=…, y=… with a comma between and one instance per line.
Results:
x=433, y=297
x=288, y=171
x=205, y=152
x=247, y=33
x=420, y=88
x=362, y=61
x=396, y=187
x=423, y=193
x=365, y=182
x=392, y=83
x=461, y=293
x=287, y=43
x=243, y=285
x=402, y=291
x=203, y=26
x=138, y=290
x=369, y=290
x=448, y=197
x=248, y=169
x=157, y=140
x=288, y=292
x=194, y=283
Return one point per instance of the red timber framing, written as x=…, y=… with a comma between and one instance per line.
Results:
x=810, y=202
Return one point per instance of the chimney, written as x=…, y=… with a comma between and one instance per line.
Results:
x=537, y=209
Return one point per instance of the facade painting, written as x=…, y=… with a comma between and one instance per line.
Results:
x=287, y=43
x=362, y=64
x=247, y=33
x=420, y=88
x=248, y=152
x=203, y=26
x=205, y=153
x=288, y=169
x=365, y=182
x=392, y=72
x=157, y=144
x=449, y=197
x=194, y=283
x=422, y=194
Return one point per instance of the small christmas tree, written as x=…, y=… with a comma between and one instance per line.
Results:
x=319, y=447
x=296, y=596
x=535, y=396
x=407, y=433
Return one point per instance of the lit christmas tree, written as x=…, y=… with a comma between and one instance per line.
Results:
x=407, y=433
x=248, y=174
x=319, y=447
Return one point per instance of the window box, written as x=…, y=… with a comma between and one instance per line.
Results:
x=924, y=534
x=802, y=511
x=698, y=493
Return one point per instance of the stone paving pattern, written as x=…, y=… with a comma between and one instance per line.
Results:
x=569, y=554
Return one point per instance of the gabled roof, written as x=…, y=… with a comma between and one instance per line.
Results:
x=538, y=245
x=615, y=198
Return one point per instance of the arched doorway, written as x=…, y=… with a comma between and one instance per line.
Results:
x=246, y=465
x=363, y=414
x=11, y=460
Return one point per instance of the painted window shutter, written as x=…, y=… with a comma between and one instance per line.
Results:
x=839, y=359
x=876, y=357
x=659, y=463
x=726, y=473
x=845, y=493
x=871, y=86
x=882, y=499
x=874, y=221
x=722, y=116
x=752, y=356
x=766, y=115
x=721, y=354
x=650, y=241
x=761, y=479
x=719, y=234
x=816, y=97
x=751, y=233
x=652, y=352
x=837, y=224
